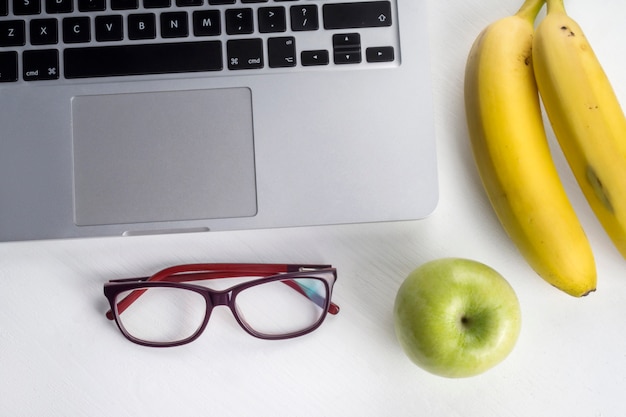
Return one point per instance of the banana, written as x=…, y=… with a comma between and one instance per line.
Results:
x=585, y=115
x=513, y=157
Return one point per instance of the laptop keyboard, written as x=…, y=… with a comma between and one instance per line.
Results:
x=77, y=39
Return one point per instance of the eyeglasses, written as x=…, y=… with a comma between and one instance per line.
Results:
x=167, y=310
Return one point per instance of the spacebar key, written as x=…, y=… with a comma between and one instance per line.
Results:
x=109, y=61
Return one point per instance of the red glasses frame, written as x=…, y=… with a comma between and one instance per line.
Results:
x=179, y=276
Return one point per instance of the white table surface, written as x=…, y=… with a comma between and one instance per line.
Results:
x=59, y=356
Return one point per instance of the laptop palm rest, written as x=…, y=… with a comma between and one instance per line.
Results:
x=164, y=156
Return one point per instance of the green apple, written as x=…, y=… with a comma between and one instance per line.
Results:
x=456, y=317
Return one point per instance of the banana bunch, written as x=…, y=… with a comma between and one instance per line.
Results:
x=510, y=146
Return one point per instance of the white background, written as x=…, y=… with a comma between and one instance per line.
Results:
x=59, y=356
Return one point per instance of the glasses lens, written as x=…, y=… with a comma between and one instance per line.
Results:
x=284, y=307
x=163, y=315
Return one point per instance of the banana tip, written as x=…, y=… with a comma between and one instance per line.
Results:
x=588, y=292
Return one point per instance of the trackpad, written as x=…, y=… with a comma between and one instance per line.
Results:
x=165, y=156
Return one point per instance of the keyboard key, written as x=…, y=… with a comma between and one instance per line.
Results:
x=189, y=3
x=4, y=7
x=124, y=4
x=174, y=25
x=379, y=54
x=12, y=33
x=25, y=7
x=109, y=28
x=281, y=52
x=91, y=5
x=59, y=6
x=76, y=29
x=8, y=66
x=239, y=21
x=245, y=54
x=154, y=4
x=141, y=26
x=41, y=64
x=206, y=23
x=218, y=2
x=357, y=15
x=121, y=60
x=304, y=17
x=346, y=41
x=347, y=57
x=317, y=57
x=347, y=48
x=272, y=19
x=44, y=31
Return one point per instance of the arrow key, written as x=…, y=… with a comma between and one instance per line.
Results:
x=379, y=54
x=347, y=56
x=317, y=57
x=346, y=41
x=347, y=48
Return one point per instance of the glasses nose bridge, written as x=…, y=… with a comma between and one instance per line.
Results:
x=220, y=298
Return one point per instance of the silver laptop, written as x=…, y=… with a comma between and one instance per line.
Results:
x=128, y=117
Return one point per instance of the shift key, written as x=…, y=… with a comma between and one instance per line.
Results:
x=357, y=15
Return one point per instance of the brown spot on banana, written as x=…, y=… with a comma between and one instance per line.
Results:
x=598, y=188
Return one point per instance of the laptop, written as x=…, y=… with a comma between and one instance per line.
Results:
x=132, y=117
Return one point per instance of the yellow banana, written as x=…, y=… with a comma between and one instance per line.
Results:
x=585, y=115
x=513, y=157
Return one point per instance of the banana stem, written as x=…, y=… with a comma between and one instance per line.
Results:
x=555, y=6
x=530, y=9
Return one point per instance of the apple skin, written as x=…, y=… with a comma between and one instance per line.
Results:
x=456, y=317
